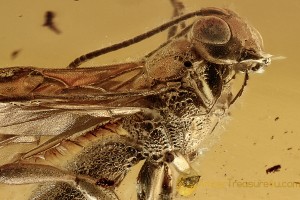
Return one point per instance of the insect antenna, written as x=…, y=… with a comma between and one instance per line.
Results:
x=78, y=61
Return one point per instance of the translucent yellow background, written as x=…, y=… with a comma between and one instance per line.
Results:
x=251, y=142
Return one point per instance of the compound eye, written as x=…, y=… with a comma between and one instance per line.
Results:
x=211, y=30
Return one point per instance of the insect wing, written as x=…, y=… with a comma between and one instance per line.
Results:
x=68, y=102
x=27, y=83
x=64, y=101
x=22, y=119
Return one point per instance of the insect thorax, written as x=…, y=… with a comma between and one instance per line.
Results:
x=178, y=122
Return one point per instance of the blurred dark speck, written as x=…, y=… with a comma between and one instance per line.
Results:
x=49, y=16
x=15, y=53
x=273, y=169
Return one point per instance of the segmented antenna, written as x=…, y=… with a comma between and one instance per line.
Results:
x=78, y=61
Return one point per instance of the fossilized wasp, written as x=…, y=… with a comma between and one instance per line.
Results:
x=106, y=119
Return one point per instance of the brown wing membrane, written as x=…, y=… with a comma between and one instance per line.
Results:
x=22, y=119
x=62, y=123
x=53, y=101
x=31, y=83
x=66, y=103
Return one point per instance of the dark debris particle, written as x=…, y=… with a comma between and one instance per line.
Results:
x=49, y=16
x=272, y=137
x=290, y=148
x=277, y=118
x=15, y=54
x=273, y=169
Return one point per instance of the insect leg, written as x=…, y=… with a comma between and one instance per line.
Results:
x=246, y=78
x=21, y=173
x=154, y=181
x=186, y=177
x=178, y=10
